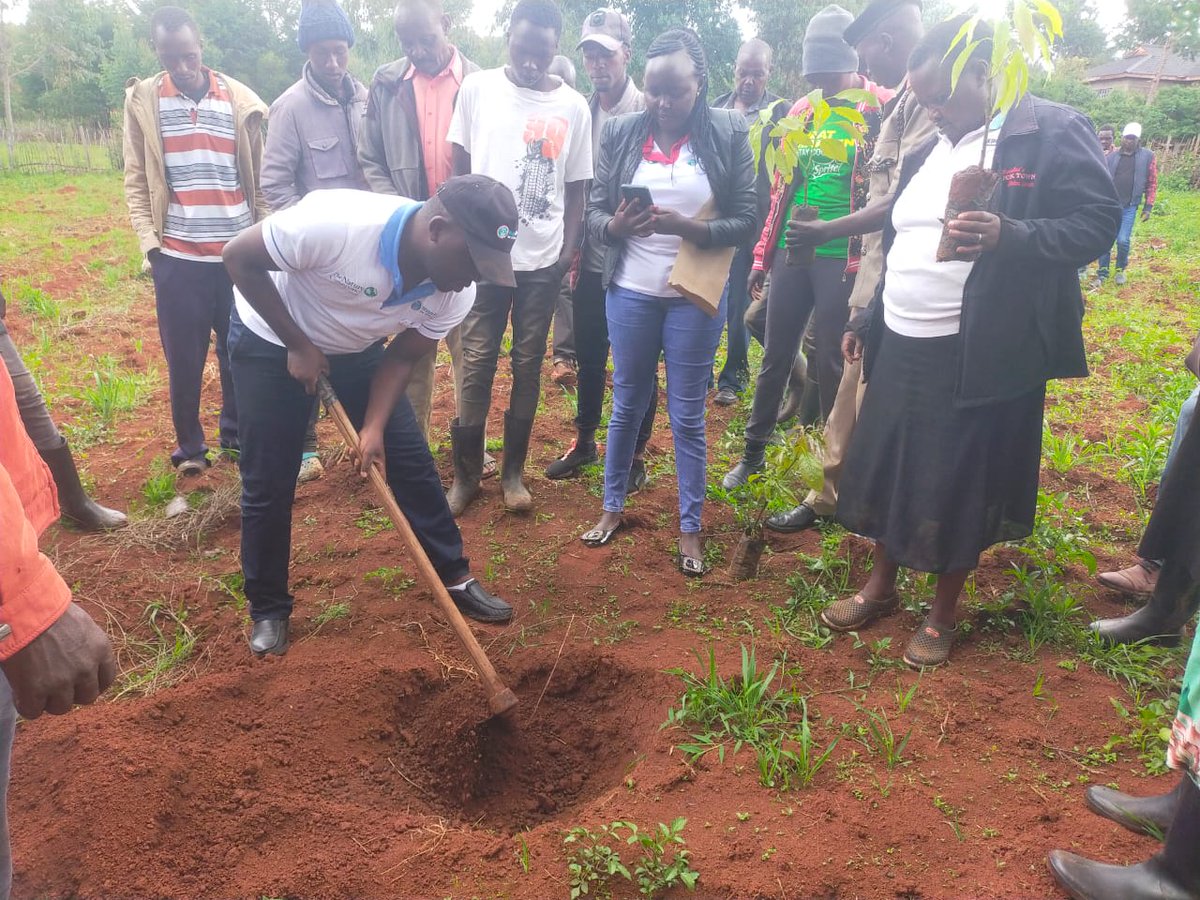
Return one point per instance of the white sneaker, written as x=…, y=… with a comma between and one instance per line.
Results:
x=310, y=469
x=1120, y=279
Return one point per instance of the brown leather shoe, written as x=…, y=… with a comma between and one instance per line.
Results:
x=1139, y=579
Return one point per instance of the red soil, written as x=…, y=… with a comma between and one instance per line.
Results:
x=362, y=764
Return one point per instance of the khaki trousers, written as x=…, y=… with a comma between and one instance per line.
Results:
x=420, y=383
x=839, y=428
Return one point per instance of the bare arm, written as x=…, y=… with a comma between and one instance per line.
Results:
x=249, y=264
x=574, y=202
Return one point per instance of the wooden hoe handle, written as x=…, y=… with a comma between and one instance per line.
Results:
x=500, y=698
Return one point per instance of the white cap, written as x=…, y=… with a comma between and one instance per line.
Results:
x=1133, y=129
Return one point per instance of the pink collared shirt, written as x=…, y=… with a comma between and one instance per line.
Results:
x=435, y=105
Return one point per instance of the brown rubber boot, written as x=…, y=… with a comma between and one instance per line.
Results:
x=516, y=448
x=466, y=446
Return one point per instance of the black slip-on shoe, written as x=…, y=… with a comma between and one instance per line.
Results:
x=474, y=602
x=270, y=636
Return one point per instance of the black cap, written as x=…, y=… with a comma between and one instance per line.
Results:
x=487, y=212
x=872, y=17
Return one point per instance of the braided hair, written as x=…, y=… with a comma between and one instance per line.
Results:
x=700, y=129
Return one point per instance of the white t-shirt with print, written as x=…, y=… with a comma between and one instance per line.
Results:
x=682, y=187
x=534, y=142
x=334, y=281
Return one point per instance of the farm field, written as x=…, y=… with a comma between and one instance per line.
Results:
x=806, y=765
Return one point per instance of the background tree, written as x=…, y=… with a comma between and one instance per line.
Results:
x=1082, y=35
x=1176, y=22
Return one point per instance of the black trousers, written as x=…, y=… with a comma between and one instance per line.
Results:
x=275, y=417
x=591, y=350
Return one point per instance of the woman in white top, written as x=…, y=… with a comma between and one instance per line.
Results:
x=685, y=154
x=945, y=459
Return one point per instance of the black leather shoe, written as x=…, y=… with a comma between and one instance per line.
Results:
x=1151, y=816
x=269, y=636
x=725, y=397
x=800, y=518
x=474, y=602
x=578, y=456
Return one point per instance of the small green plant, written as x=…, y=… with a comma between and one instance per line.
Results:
x=880, y=738
x=952, y=814
x=331, y=612
x=372, y=520
x=1047, y=612
x=159, y=487
x=522, y=852
x=158, y=661
x=1067, y=451
x=36, y=302
x=393, y=579
x=594, y=858
x=113, y=390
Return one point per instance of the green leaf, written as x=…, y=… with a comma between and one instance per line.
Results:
x=1026, y=32
x=857, y=96
x=1053, y=17
x=835, y=149
x=960, y=64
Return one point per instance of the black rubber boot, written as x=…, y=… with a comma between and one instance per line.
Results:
x=752, y=462
x=73, y=500
x=1173, y=604
x=1151, y=816
x=466, y=446
x=1172, y=874
x=512, y=468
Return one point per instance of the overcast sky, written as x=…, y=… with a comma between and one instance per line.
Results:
x=1111, y=13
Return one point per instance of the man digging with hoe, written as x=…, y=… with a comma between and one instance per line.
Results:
x=319, y=288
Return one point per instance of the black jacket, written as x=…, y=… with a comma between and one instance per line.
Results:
x=1022, y=312
x=733, y=187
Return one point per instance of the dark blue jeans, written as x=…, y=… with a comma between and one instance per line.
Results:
x=1124, y=241
x=735, y=374
x=275, y=411
x=193, y=300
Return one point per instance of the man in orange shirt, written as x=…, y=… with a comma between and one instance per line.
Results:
x=52, y=654
x=403, y=148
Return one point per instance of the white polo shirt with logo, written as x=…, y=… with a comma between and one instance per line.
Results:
x=339, y=275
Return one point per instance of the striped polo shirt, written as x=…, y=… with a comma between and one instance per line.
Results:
x=207, y=206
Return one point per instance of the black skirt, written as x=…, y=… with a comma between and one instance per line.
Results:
x=934, y=483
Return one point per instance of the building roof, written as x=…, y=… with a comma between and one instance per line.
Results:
x=1147, y=61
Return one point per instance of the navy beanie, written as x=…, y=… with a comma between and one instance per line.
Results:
x=323, y=21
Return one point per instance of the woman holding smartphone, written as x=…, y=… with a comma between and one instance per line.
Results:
x=684, y=155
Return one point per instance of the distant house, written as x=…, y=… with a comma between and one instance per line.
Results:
x=1143, y=71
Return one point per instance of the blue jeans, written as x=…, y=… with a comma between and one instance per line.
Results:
x=641, y=327
x=735, y=374
x=275, y=413
x=1124, y=239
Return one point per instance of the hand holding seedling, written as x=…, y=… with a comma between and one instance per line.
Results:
x=802, y=233
x=974, y=232
x=631, y=220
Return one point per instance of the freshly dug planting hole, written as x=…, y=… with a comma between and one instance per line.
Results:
x=573, y=746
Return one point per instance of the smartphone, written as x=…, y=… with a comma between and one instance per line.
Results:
x=637, y=192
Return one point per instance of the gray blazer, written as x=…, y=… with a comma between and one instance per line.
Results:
x=733, y=185
x=312, y=143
